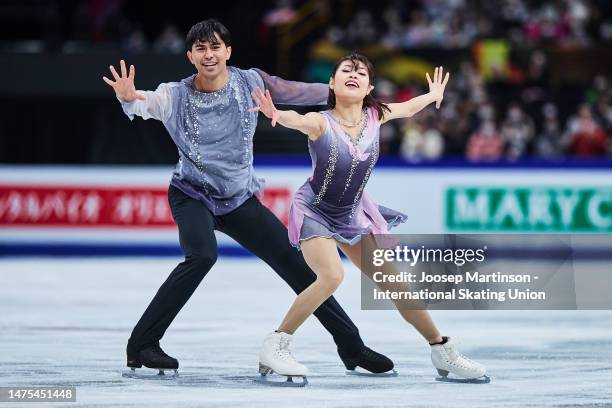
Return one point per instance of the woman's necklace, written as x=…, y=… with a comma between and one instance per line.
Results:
x=355, y=140
x=347, y=123
x=362, y=123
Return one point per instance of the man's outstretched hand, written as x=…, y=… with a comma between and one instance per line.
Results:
x=124, y=84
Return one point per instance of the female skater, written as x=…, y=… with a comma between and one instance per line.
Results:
x=332, y=209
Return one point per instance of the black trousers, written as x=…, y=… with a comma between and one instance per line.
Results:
x=255, y=228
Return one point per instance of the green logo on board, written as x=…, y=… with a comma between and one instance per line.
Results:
x=529, y=209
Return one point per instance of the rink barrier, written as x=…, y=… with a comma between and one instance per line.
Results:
x=451, y=162
x=107, y=250
x=133, y=222
x=7, y=250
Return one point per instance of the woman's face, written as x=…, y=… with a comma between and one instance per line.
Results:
x=351, y=83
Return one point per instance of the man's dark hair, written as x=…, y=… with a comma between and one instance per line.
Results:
x=205, y=31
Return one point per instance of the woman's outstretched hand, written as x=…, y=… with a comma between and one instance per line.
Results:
x=124, y=85
x=436, y=87
x=265, y=105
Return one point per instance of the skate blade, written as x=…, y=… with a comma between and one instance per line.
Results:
x=288, y=382
x=359, y=373
x=162, y=374
x=485, y=379
x=265, y=379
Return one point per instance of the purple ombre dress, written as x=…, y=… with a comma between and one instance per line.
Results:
x=333, y=203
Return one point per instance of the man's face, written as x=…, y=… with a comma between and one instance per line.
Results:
x=209, y=59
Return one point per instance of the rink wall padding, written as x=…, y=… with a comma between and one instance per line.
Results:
x=123, y=211
x=104, y=250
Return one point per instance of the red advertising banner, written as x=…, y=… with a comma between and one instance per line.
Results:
x=99, y=206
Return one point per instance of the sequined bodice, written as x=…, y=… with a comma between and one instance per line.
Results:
x=342, y=165
x=220, y=118
x=214, y=135
x=213, y=132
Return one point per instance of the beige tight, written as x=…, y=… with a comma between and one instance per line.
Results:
x=321, y=255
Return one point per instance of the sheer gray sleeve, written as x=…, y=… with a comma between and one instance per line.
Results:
x=285, y=92
x=156, y=105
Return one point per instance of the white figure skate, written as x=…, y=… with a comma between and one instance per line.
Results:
x=275, y=357
x=447, y=359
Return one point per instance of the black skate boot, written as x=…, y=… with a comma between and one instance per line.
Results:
x=151, y=357
x=377, y=365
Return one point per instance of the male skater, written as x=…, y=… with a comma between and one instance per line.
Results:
x=213, y=188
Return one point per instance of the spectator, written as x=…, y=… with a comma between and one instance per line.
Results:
x=548, y=142
x=585, y=137
x=135, y=41
x=170, y=41
x=486, y=143
x=421, y=140
x=282, y=13
x=598, y=89
x=517, y=131
x=395, y=28
x=361, y=30
x=418, y=30
x=603, y=114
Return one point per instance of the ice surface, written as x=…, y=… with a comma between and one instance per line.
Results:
x=66, y=322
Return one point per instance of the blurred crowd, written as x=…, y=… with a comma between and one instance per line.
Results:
x=490, y=112
x=398, y=23
x=70, y=26
x=457, y=23
x=470, y=124
x=493, y=109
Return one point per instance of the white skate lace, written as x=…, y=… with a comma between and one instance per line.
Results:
x=457, y=359
x=283, y=350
